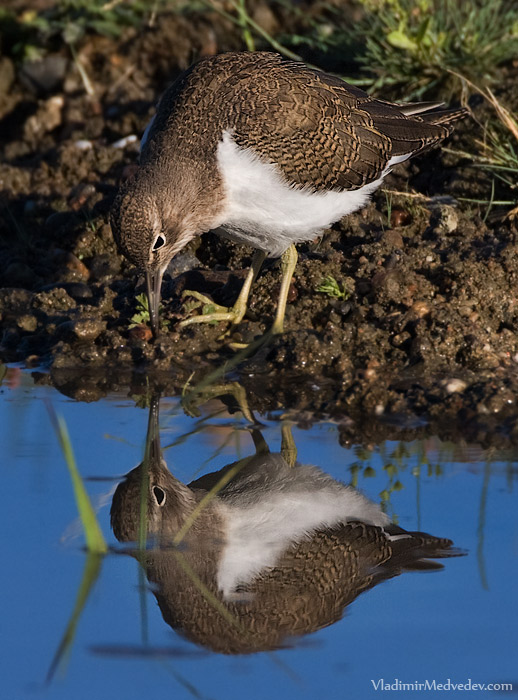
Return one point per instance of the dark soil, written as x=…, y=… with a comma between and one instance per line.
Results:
x=427, y=326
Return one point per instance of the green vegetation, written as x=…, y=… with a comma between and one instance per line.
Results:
x=417, y=48
x=412, y=47
x=497, y=151
x=331, y=287
x=397, y=458
x=415, y=45
x=95, y=541
x=91, y=571
x=30, y=34
x=499, y=156
x=141, y=314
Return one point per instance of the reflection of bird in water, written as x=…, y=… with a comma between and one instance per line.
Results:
x=277, y=552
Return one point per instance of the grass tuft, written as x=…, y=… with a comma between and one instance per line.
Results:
x=408, y=47
x=332, y=288
x=414, y=45
x=497, y=150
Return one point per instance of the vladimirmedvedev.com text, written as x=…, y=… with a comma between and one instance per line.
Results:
x=448, y=684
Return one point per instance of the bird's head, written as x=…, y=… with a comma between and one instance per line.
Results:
x=151, y=494
x=149, y=231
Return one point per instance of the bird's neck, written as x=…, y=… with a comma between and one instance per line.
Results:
x=188, y=191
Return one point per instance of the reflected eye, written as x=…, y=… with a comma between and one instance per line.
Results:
x=159, y=495
x=159, y=242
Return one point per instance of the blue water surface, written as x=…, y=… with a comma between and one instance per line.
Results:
x=459, y=623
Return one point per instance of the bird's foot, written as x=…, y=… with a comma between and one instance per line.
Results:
x=212, y=312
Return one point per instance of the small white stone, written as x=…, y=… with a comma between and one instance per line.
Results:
x=455, y=386
x=83, y=145
x=126, y=141
x=379, y=410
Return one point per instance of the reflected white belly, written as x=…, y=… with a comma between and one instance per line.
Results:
x=258, y=534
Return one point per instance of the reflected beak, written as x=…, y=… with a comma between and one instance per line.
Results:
x=153, y=449
x=153, y=285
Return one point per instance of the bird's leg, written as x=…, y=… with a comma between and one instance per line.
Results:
x=288, y=446
x=201, y=393
x=288, y=264
x=222, y=313
x=260, y=444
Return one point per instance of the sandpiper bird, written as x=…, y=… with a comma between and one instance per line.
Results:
x=263, y=550
x=266, y=152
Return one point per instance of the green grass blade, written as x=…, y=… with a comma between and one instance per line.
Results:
x=90, y=574
x=95, y=541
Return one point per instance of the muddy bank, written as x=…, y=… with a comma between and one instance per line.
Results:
x=422, y=321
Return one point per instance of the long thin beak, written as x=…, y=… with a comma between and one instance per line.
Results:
x=153, y=285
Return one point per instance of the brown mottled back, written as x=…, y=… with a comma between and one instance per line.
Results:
x=321, y=132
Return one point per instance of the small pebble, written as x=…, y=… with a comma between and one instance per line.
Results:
x=18, y=274
x=29, y=207
x=83, y=145
x=455, y=386
x=27, y=322
x=47, y=118
x=400, y=338
x=140, y=332
x=88, y=329
x=104, y=267
x=72, y=263
x=420, y=308
x=44, y=75
x=393, y=238
x=77, y=290
x=292, y=293
x=7, y=75
x=57, y=219
x=446, y=217
x=183, y=262
x=126, y=141
x=32, y=361
x=400, y=217
x=80, y=194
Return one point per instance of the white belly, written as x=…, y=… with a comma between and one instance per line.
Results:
x=263, y=211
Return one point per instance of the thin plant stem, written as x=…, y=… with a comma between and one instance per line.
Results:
x=95, y=541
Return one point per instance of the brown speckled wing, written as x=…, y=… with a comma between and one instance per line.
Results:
x=324, y=133
x=321, y=132
x=352, y=557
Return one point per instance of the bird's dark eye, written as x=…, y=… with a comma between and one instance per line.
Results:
x=159, y=495
x=159, y=242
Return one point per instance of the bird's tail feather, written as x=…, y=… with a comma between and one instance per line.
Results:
x=445, y=116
